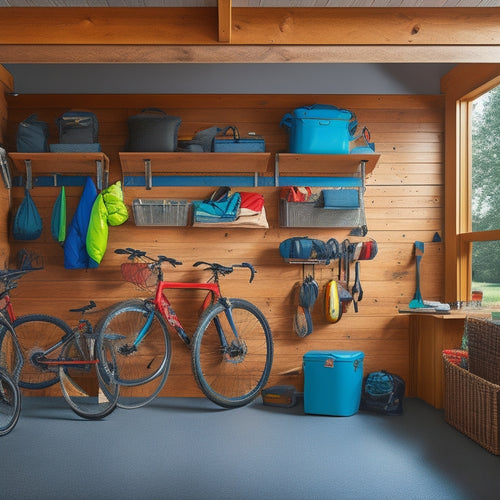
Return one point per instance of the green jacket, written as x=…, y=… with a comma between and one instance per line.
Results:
x=108, y=208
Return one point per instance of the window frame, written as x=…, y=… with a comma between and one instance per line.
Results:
x=461, y=86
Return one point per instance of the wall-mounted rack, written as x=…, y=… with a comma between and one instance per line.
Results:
x=151, y=165
x=53, y=164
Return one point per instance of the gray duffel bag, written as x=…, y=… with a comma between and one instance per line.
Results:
x=153, y=130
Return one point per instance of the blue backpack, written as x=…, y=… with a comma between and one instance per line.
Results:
x=27, y=221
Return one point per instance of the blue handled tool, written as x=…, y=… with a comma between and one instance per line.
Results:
x=417, y=301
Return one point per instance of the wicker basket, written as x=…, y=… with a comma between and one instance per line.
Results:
x=471, y=405
x=484, y=348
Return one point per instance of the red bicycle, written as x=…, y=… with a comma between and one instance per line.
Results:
x=232, y=346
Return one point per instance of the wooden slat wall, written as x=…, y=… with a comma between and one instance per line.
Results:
x=6, y=85
x=404, y=200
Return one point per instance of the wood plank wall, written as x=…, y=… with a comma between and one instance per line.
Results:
x=6, y=86
x=404, y=200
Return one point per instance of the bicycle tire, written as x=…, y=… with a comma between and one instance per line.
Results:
x=11, y=358
x=36, y=333
x=83, y=388
x=141, y=373
x=10, y=403
x=232, y=379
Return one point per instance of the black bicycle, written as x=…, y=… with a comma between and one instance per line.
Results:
x=11, y=362
x=53, y=352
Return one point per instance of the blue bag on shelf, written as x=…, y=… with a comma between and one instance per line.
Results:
x=236, y=144
x=223, y=210
x=320, y=129
x=32, y=135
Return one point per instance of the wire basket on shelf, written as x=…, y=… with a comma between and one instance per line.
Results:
x=139, y=274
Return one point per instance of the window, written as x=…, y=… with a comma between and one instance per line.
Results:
x=472, y=183
x=485, y=193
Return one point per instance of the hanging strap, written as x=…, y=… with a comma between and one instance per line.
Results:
x=356, y=288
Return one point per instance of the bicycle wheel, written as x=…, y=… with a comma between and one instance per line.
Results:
x=36, y=333
x=83, y=388
x=234, y=375
x=146, y=364
x=10, y=403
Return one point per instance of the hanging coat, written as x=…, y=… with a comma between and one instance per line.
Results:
x=75, y=251
x=109, y=209
x=58, y=219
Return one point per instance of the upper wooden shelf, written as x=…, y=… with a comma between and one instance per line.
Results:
x=327, y=165
x=151, y=164
x=195, y=163
x=63, y=163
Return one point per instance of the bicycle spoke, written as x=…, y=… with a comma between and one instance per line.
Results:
x=37, y=333
x=141, y=366
x=232, y=374
x=82, y=386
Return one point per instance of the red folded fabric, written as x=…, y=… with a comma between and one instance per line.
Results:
x=252, y=201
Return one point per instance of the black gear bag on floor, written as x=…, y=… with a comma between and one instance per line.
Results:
x=383, y=392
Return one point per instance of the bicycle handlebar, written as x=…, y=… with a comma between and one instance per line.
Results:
x=214, y=266
x=220, y=269
x=140, y=254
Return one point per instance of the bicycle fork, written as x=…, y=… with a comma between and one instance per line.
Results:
x=236, y=351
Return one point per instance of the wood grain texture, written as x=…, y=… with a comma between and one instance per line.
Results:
x=250, y=26
x=404, y=203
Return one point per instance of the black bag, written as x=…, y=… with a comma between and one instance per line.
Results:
x=383, y=392
x=202, y=141
x=153, y=130
x=32, y=135
x=78, y=127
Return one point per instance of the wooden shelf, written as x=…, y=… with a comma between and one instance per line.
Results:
x=325, y=165
x=196, y=163
x=96, y=164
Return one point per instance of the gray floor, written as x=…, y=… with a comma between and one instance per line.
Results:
x=190, y=449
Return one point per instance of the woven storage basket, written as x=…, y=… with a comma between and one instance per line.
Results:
x=484, y=348
x=471, y=405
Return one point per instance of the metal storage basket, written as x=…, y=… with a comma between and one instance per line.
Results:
x=313, y=214
x=150, y=212
x=471, y=405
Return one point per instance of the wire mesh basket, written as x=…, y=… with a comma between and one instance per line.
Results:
x=139, y=274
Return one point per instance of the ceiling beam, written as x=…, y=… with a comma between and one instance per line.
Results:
x=216, y=54
x=227, y=34
x=224, y=11
x=250, y=26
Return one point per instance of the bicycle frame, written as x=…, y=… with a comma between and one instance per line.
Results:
x=8, y=311
x=163, y=305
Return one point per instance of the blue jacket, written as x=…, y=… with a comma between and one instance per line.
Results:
x=75, y=250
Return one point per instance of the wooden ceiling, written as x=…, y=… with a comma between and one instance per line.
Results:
x=219, y=31
x=251, y=3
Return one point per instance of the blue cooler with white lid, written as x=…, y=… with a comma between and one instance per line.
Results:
x=320, y=129
x=332, y=382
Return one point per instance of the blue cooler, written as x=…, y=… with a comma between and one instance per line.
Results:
x=332, y=382
x=320, y=129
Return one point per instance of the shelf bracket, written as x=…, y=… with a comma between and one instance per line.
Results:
x=29, y=174
x=276, y=170
x=99, y=174
x=7, y=180
x=147, y=174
